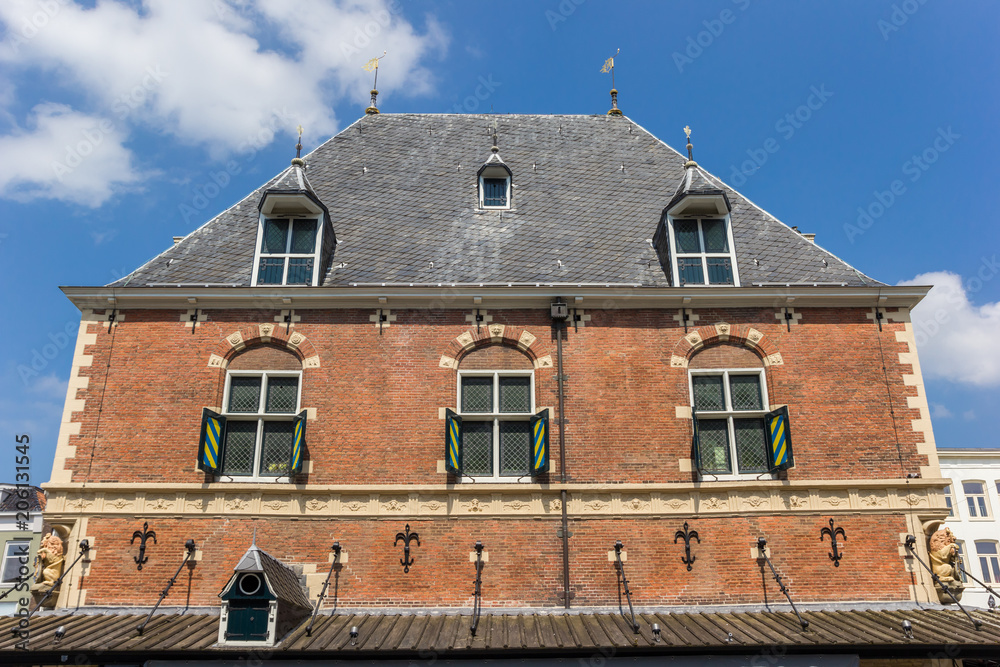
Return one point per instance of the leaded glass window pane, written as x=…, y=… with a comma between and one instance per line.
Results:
x=720, y=271
x=282, y=394
x=304, y=237
x=271, y=271
x=244, y=393
x=751, y=455
x=515, y=438
x=708, y=392
x=300, y=271
x=477, y=394
x=477, y=447
x=275, y=236
x=494, y=192
x=241, y=440
x=275, y=449
x=690, y=271
x=745, y=392
x=686, y=232
x=716, y=239
x=713, y=445
x=515, y=394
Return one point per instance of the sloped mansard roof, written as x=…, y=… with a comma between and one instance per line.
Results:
x=588, y=193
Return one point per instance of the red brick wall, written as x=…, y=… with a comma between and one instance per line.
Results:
x=525, y=560
x=377, y=396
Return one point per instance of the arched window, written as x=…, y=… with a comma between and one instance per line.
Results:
x=260, y=430
x=737, y=434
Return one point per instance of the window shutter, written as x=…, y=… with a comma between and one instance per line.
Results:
x=695, y=445
x=452, y=443
x=779, y=438
x=298, y=443
x=539, y=451
x=211, y=448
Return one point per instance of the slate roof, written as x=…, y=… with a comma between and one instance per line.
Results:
x=870, y=633
x=588, y=191
x=283, y=581
x=10, y=496
x=695, y=182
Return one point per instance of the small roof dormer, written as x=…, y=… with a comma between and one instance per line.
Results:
x=494, y=179
x=262, y=601
x=295, y=236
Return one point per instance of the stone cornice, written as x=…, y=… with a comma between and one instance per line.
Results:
x=496, y=500
x=447, y=295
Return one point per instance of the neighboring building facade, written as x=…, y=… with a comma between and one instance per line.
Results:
x=974, y=501
x=585, y=341
x=20, y=533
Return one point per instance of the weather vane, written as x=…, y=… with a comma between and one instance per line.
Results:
x=609, y=66
x=690, y=162
x=372, y=66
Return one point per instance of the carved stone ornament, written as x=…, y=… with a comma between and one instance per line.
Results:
x=50, y=567
x=944, y=562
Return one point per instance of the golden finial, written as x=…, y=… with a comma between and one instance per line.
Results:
x=297, y=161
x=372, y=66
x=690, y=162
x=609, y=66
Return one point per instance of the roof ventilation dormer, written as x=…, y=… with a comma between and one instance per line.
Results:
x=494, y=179
x=295, y=237
x=262, y=601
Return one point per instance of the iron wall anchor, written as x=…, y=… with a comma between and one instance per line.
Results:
x=406, y=561
x=142, y=536
x=833, y=532
x=687, y=534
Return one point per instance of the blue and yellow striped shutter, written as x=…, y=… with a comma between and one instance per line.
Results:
x=212, y=445
x=539, y=451
x=779, y=438
x=298, y=444
x=452, y=442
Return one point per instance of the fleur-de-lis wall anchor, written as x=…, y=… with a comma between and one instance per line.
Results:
x=687, y=534
x=406, y=561
x=833, y=532
x=142, y=536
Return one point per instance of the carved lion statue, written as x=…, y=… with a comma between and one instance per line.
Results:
x=943, y=553
x=50, y=565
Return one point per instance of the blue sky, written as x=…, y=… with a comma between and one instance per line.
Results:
x=872, y=124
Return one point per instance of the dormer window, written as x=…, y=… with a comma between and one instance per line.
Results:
x=494, y=184
x=288, y=252
x=703, y=252
x=494, y=193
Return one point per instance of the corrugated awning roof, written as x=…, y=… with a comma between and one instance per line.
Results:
x=102, y=637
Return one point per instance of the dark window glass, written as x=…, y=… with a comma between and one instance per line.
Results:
x=751, y=452
x=477, y=394
x=720, y=271
x=515, y=438
x=271, y=270
x=515, y=394
x=304, y=237
x=494, y=192
x=477, y=447
x=708, y=392
x=744, y=390
x=282, y=394
x=244, y=393
x=276, y=448
x=690, y=271
x=275, y=236
x=300, y=271
x=713, y=445
x=716, y=239
x=686, y=232
x=241, y=440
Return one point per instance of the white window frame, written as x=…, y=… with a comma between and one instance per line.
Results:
x=482, y=194
x=675, y=250
x=496, y=417
x=729, y=414
x=260, y=416
x=7, y=555
x=964, y=558
x=986, y=560
x=258, y=252
x=973, y=510
x=949, y=501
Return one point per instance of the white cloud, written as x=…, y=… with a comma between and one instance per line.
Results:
x=939, y=411
x=66, y=155
x=955, y=338
x=200, y=70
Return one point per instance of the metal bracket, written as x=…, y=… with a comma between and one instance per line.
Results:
x=189, y=546
x=322, y=594
x=559, y=533
x=911, y=546
x=477, y=604
x=762, y=547
x=623, y=582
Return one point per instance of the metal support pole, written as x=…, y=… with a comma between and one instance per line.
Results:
x=189, y=545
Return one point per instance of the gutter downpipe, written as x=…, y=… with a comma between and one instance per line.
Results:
x=559, y=324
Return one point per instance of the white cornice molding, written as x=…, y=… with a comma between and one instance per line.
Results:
x=462, y=296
